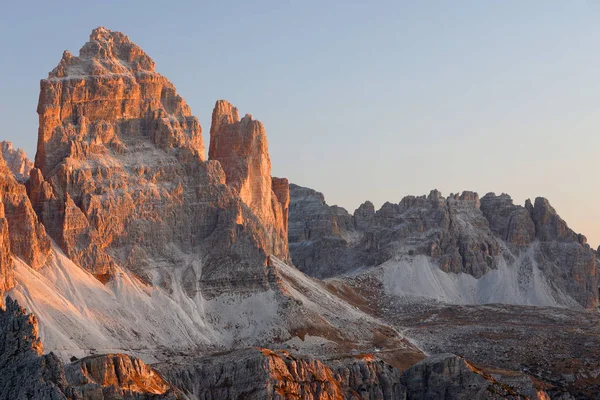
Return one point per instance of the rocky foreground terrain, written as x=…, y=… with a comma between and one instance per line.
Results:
x=133, y=266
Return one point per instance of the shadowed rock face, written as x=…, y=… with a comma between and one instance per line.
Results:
x=17, y=161
x=24, y=372
x=446, y=376
x=121, y=177
x=460, y=233
x=241, y=148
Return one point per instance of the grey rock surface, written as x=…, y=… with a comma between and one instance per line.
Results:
x=25, y=372
x=460, y=233
x=447, y=376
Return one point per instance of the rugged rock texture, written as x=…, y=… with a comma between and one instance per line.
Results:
x=446, y=376
x=253, y=374
x=561, y=252
x=24, y=372
x=242, y=149
x=115, y=376
x=460, y=233
x=326, y=241
x=6, y=262
x=265, y=374
x=122, y=187
x=366, y=377
x=17, y=161
x=511, y=223
x=120, y=176
x=28, y=239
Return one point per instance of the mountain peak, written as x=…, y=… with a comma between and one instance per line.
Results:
x=107, y=52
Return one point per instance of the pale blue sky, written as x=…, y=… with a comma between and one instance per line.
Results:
x=362, y=101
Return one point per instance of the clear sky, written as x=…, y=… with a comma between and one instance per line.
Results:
x=362, y=100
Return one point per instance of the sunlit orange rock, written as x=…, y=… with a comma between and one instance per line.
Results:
x=6, y=262
x=28, y=239
x=240, y=145
x=121, y=180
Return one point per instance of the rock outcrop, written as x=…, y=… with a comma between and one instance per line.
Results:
x=240, y=145
x=17, y=161
x=116, y=376
x=259, y=373
x=121, y=177
x=459, y=233
x=25, y=373
x=447, y=376
x=326, y=241
x=28, y=239
x=6, y=262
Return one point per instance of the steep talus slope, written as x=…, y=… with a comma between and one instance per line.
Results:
x=457, y=249
x=16, y=160
x=26, y=373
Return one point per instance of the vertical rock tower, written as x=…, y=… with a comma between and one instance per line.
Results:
x=242, y=149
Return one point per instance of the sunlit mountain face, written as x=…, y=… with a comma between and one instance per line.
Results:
x=133, y=266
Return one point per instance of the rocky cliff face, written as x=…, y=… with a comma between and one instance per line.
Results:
x=115, y=376
x=184, y=247
x=6, y=262
x=28, y=239
x=259, y=373
x=459, y=233
x=17, y=161
x=265, y=374
x=446, y=376
x=25, y=373
x=240, y=145
x=121, y=179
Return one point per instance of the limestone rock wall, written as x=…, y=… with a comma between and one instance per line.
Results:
x=121, y=178
x=28, y=239
x=240, y=146
x=461, y=233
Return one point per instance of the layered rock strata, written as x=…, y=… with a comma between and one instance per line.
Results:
x=447, y=376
